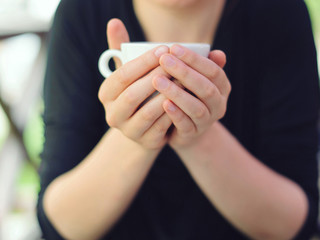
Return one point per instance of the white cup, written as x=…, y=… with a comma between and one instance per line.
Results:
x=132, y=50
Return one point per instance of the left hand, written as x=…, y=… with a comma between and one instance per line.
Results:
x=201, y=101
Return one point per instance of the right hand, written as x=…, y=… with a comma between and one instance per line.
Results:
x=124, y=92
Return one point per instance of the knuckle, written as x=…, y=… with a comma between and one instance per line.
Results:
x=221, y=114
x=193, y=59
x=147, y=114
x=130, y=97
x=174, y=91
x=122, y=76
x=200, y=113
x=215, y=71
x=102, y=93
x=223, y=111
x=184, y=73
x=180, y=118
x=210, y=92
x=229, y=87
x=160, y=129
x=148, y=60
x=111, y=120
x=111, y=117
x=158, y=71
x=101, y=96
x=188, y=130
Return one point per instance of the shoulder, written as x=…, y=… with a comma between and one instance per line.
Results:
x=83, y=20
x=273, y=9
x=278, y=25
x=87, y=10
x=90, y=15
x=78, y=9
x=275, y=15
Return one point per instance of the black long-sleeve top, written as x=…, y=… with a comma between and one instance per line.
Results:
x=272, y=111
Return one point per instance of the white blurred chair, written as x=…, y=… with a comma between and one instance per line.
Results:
x=17, y=19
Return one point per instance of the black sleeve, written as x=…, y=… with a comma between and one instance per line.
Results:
x=289, y=99
x=74, y=118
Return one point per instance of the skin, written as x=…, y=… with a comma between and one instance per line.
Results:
x=167, y=20
x=267, y=205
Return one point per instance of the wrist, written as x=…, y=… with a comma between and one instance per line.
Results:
x=118, y=136
x=203, y=142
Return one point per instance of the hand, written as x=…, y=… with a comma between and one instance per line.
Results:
x=124, y=93
x=203, y=101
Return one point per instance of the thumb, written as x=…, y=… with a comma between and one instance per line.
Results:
x=219, y=57
x=116, y=34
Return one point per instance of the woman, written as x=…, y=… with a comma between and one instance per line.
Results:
x=193, y=162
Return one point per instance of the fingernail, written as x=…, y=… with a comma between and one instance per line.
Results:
x=162, y=83
x=161, y=50
x=177, y=50
x=168, y=60
x=172, y=107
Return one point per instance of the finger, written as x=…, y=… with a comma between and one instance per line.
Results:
x=184, y=125
x=189, y=104
x=135, y=95
x=130, y=72
x=195, y=82
x=219, y=57
x=116, y=34
x=156, y=137
x=144, y=118
x=202, y=65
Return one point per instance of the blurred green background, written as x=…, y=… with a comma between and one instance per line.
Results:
x=27, y=182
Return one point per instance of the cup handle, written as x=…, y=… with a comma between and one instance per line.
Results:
x=104, y=59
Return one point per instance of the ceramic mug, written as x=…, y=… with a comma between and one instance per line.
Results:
x=132, y=50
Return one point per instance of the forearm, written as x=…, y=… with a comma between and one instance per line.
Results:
x=86, y=202
x=254, y=198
